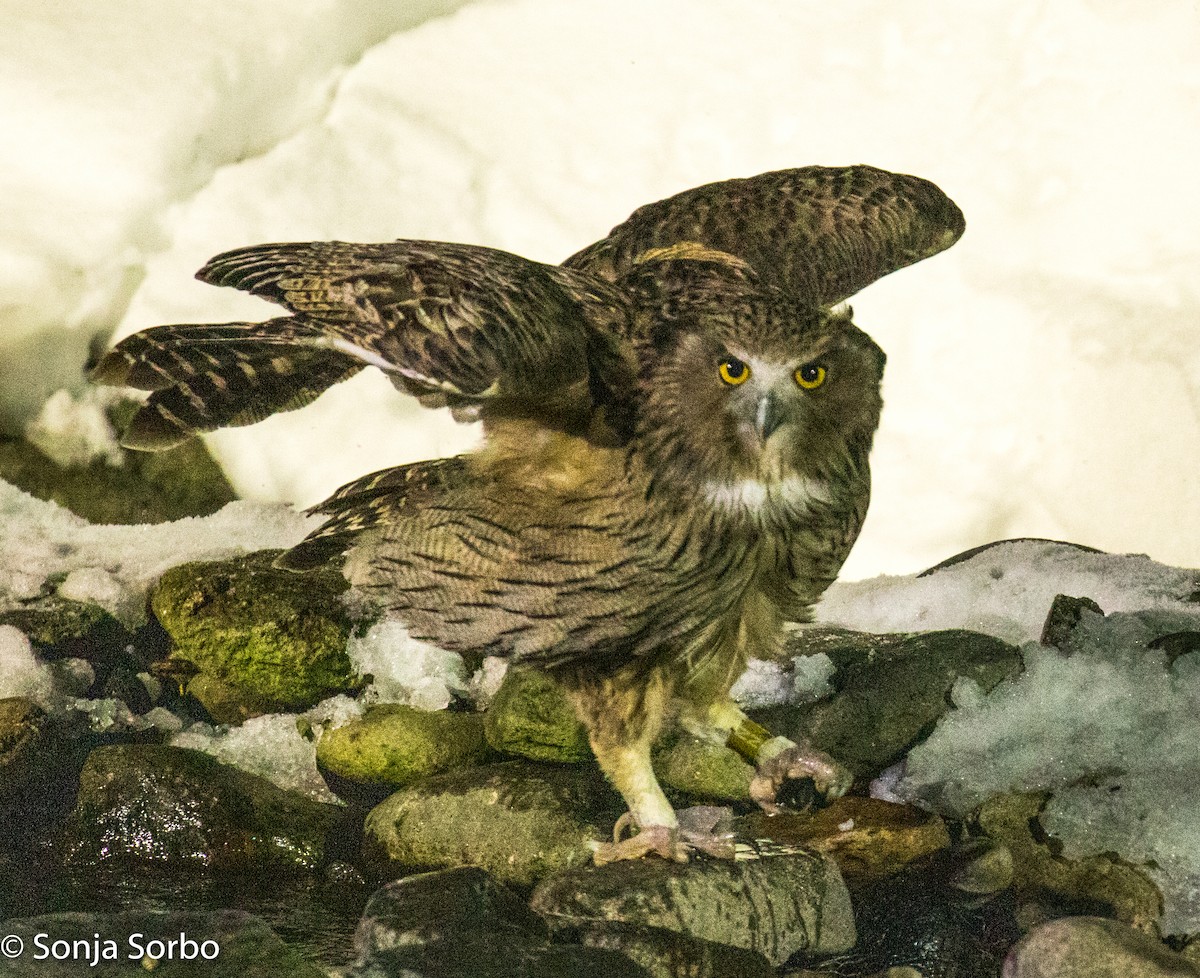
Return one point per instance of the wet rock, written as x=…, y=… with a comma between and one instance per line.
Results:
x=1094, y=947
x=530, y=716
x=703, y=769
x=869, y=839
x=217, y=944
x=391, y=746
x=670, y=954
x=148, y=487
x=274, y=640
x=462, y=922
x=892, y=689
x=519, y=821
x=22, y=744
x=777, y=906
x=59, y=628
x=151, y=806
x=1065, y=613
x=1042, y=876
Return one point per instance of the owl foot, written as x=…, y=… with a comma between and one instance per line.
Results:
x=793, y=762
x=701, y=829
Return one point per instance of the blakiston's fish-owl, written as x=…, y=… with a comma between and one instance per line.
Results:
x=677, y=428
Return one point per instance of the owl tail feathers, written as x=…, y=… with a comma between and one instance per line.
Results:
x=204, y=377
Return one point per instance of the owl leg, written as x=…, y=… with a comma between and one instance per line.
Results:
x=623, y=715
x=778, y=760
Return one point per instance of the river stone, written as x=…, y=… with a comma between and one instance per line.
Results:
x=148, y=806
x=395, y=745
x=248, y=948
x=148, y=487
x=518, y=820
x=777, y=905
x=891, y=690
x=670, y=954
x=275, y=638
x=22, y=741
x=702, y=769
x=1099, y=883
x=530, y=716
x=869, y=839
x=1093, y=947
x=59, y=628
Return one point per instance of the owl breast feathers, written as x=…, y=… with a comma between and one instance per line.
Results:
x=677, y=424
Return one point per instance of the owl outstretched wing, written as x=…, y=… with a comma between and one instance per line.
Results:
x=823, y=233
x=453, y=324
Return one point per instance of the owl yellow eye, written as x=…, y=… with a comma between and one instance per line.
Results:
x=809, y=376
x=734, y=371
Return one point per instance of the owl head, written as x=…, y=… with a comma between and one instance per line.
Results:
x=749, y=393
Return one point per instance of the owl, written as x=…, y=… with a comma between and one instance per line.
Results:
x=677, y=426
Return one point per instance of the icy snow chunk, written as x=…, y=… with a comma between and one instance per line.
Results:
x=771, y=684
x=21, y=674
x=485, y=681
x=270, y=746
x=1006, y=591
x=75, y=431
x=405, y=670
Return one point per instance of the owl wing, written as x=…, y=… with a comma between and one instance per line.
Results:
x=823, y=233
x=454, y=324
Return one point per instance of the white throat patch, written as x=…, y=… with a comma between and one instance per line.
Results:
x=796, y=492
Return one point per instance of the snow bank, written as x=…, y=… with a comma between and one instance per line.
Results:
x=1044, y=374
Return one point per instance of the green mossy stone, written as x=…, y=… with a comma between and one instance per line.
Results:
x=60, y=628
x=276, y=639
x=703, y=769
x=22, y=740
x=395, y=745
x=149, y=487
x=517, y=820
x=147, y=805
x=530, y=716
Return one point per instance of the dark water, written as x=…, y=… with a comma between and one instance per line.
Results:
x=317, y=920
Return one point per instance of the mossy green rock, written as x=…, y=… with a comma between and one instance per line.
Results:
x=169, y=807
x=517, y=820
x=248, y=947
x=703, y=769
x=22, y=740
x=395, y=745
x=148, y=487
x=670, y=954
x=530, y=716
x=891, y=690
x=275, y=638
x=60, y=628
x=776, y=905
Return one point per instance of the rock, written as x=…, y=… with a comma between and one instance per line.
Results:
x=670, y=954
x=22, y=742
x=391, y=746
x=1094, y=947
x=702, y=769
x=217, y=944
x=59, y=628
x=273, y=639
x=148, y=487
x=869, y=839
x=1097, y=884
x=777, y=906
x=891, y=690
x=530, y=716
x=461, y=922
x=147, y=806
x=519, y=821
x=1065, y=612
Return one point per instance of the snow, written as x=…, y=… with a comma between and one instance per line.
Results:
x=74, y=430
x=21, y=674
x=114, y=566
x=1043, y=376
x=405, y=670
x=771, y=683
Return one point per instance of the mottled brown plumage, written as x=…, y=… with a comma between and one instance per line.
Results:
x=677, y=431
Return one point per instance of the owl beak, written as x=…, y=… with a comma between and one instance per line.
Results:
x=768, y=417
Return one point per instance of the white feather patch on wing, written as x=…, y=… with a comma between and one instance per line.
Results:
x=756, y=496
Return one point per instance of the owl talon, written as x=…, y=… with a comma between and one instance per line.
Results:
x=657, y=839
x=832, y=780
